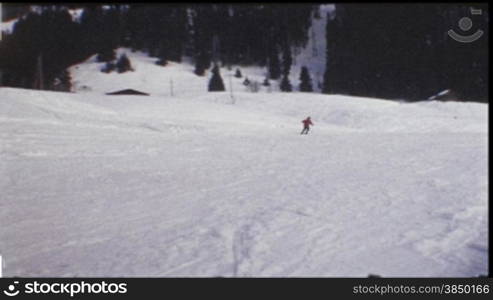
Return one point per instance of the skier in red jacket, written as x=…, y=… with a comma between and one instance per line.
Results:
x=306, y=125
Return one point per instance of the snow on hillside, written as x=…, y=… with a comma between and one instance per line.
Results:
x=202, y=184
x=174, y=79
x=8, y=26
x=167, y=83
x=354, y=113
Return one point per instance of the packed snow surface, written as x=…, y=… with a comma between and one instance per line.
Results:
x=190, y=183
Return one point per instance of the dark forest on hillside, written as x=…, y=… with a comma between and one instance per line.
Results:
x=394, y=51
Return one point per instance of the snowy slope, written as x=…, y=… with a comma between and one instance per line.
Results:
x=200, y=184
x=174, y=79
x=154, y=186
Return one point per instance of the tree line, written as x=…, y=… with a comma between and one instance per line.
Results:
x=393, y=51
x=208, y=33
x=403, y=51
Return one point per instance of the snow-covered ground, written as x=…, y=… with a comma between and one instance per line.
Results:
x=202, y=184
x=7, y=26
x=175, y=79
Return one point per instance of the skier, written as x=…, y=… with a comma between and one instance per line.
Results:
x=306, y=125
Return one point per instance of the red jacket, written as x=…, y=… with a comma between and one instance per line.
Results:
x=307, y=122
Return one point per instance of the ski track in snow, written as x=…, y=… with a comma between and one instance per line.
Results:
x=194, y=185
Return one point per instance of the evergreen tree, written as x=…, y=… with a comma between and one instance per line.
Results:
x=274, y=65
x=238, y=73
x=216, y=83
x=333, y=57
x=123, y=64
x=285, y=84
x=367, y=54
x=266, y=82
x=113, y=28
x=30, y=57
x=306, y=81
x=92, y=21
x=287, y=60
x=202, y=37
x=246, y=82
x=163, y=57
x=199, y=68
x=202, y=63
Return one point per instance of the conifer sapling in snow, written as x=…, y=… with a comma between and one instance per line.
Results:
x=123, y=64
x=285, y=84
x=306, y=81
x=238, y=73
x=216, y=83
x=274, y=66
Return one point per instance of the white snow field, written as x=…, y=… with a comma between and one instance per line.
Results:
x=197, y=184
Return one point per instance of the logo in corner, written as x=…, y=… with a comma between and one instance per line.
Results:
x=11, y=291
x=465, y=24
